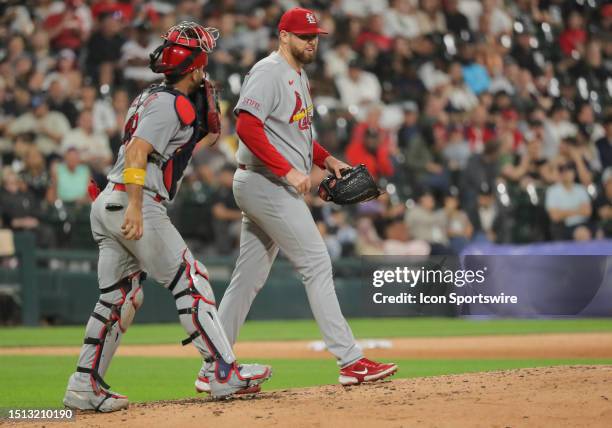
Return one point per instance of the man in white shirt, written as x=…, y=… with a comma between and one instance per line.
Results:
x=569, y=204
x=135, y=55
x=93, y=147
x=48, y=126
x=358, y=87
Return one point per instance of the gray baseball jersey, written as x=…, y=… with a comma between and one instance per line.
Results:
x=152, y=117
x=280, y=97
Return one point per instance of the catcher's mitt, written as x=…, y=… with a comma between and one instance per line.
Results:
x=207, y=107
x=356, y=185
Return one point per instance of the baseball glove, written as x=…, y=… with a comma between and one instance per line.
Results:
x=356, y=185
x=208, y=112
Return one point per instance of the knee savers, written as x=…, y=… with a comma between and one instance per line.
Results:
x=197, y=311
x=124, y=299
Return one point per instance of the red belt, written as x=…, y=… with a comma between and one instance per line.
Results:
x=121, y=188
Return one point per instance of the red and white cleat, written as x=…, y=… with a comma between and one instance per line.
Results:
x=365, y=370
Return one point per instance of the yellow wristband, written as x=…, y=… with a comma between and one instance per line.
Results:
x=134, y=176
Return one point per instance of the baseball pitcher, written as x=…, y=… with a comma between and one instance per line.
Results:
x=276, y=152
x=134, y=234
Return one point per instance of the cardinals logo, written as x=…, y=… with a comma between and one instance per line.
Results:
x=300, y=114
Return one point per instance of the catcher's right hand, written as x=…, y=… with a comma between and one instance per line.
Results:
x=356, y=185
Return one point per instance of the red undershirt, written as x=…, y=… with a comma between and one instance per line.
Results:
x=251, y=132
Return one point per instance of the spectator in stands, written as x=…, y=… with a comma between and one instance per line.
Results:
x=523, y=51
x=460, y=97
x=430, y=17
x=603, y=205
x=604, y=144
x=481, y=172
x=475, y=75
x=35, y=174
x=21, y=210
x=104, y=48
x=457, y=152
x=135, y=56
x=70, y=179
x=479, y=131
x=587, y=124
x=102, y=111
x=373, y=32
x=558, y=126
x=592, y=68
x=573, y=38
x=371, y=145
x=569, y=206
x=93, y=147
x=48, y=126
x=577, y=154
x=58, y=100
x=427, y=225
x=121, y=104
x=358, y=87
x=424, y=159
x=456, y=21
x=458, y=227
x=400, y=19
x=68, y=28
x=491, y=222
x=499, y=20
x=226, y=214
x=399, y=242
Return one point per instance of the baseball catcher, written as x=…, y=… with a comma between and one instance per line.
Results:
x=134, y=234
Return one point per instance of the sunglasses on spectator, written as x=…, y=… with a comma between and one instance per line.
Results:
x=306, y=37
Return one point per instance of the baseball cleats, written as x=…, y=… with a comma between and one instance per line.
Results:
x=221, y=379
x=80, y=395
x=365, y=370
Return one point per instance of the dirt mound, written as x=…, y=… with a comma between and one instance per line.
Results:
x=555, y=396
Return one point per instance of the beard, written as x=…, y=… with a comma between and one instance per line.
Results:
x=304, y=56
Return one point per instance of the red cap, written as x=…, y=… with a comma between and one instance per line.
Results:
x=300, y=21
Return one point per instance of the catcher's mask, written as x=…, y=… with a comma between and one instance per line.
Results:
x=186, y=47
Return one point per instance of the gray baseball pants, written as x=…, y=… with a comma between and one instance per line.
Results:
x=276, y=217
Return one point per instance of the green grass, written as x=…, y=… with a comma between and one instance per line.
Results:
x=307, y=330
x=39, y=381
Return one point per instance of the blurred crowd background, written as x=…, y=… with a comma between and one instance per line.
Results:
x=483, y=120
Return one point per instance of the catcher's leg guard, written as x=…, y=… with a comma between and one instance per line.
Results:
x=198, y=314
x=113, y=314
x=195, y=302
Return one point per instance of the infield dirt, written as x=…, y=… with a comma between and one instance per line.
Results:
x=566, y=396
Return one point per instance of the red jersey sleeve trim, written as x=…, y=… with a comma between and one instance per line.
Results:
x=251, y=132
x=319, y=155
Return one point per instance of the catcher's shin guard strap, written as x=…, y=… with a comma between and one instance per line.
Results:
x=95, y=375
x=177, y=276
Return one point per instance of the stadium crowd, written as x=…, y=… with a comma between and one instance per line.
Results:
x=483, y=120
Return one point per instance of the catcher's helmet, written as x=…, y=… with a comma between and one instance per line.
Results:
x=186, y=47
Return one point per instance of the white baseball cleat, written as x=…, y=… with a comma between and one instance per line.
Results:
x=221, y=379
x=81, y=395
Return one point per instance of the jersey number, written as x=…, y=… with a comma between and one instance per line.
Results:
x=129, y=128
